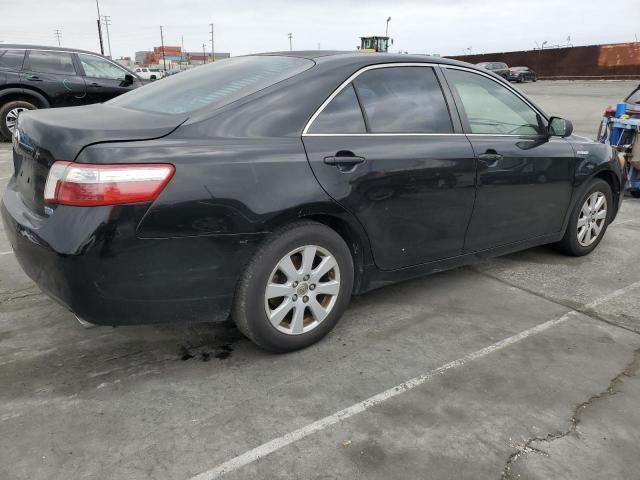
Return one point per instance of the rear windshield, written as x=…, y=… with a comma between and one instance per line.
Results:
x=213, y=85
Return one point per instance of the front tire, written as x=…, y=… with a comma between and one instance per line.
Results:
x=589, y=220
x=295, y=288
x=9, y=116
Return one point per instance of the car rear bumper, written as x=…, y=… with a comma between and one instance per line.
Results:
x=91, y=261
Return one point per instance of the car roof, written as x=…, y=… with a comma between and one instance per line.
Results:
x=328, y=56
x=44, y=47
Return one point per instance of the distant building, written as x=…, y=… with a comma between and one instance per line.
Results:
x=197, y=58
x=125, y=61
x=140, y=56
x=174, y=55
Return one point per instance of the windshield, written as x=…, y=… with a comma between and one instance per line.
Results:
x=634, y=98
x=216, y=84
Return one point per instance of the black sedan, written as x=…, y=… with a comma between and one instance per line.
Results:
x=522, y=74
x=271, y=188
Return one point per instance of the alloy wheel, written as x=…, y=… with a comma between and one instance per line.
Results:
x=11, y=119
x=592, y=218
x=302, y=290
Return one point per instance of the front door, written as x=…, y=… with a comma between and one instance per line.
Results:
x=385, y=148
x=55, y=76
x=104, y=79
x=525, y=177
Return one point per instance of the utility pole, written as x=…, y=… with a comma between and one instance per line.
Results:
x=386, y=32
x=100, y=29
x=107, y=22
x=58, y=34
x=164, y=60
x=213, y=57
x=183, y=54
x=204, y=54
x=290, y=42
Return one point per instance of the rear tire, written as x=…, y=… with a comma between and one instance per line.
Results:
x=589, y=220
x=282, y=312
x=8, y=115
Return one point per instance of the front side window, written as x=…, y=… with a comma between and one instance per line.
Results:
x=403, y=100
x=42, y=61
x=96, y=67
x=341, y=115
x=491, y=108
x=11, y=59
x=213, y=85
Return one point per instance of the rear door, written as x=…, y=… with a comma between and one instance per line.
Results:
x=11, y=61
x=386, y=148
x=54, y=74
x=104, y=79
x=525, y=177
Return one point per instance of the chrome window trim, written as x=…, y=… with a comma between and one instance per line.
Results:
x=384, y=135
x=305, y=131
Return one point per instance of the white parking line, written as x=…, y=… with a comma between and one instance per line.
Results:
x=7, y=252
x=289, y=438
x=624, y=221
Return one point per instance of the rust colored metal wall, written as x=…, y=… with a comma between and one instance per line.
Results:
x=619, y=60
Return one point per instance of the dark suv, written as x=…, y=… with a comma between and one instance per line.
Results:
x=34, y=77
x=498, y=68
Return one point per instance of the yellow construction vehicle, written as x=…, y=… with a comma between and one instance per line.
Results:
x=375, y=44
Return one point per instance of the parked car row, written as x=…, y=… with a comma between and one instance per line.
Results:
x=512, y=74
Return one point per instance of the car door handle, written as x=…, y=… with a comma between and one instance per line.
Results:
x=344, y=160
x=490, y=159
x=34, y=78
x=95, y=84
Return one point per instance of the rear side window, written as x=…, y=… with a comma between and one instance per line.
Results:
x=341, y=115
x=403, y=100
x=213, y=85
x=11, y=59
x=42, y=61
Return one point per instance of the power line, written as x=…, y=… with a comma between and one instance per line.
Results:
x=58, y=35
x=106, y=19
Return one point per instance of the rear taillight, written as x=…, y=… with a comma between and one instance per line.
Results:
x=90, y=185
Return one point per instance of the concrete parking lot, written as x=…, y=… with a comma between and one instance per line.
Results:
x=524, y=366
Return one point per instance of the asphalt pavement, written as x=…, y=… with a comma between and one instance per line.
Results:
x=524, y=366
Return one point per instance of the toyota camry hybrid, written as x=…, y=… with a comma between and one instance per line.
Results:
x=271, y=188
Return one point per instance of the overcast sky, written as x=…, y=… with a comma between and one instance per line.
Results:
x=246, y=26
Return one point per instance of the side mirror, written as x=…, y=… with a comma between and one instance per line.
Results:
x=128, y=79
x=559, y=127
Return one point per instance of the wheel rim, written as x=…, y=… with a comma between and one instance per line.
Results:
x=302, y=290
x=592, y=218
x=11, y=118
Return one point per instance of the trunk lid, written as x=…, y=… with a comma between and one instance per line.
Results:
x=45, y=136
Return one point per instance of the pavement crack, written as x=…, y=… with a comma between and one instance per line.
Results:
x=589, y=312
x=530, y=446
